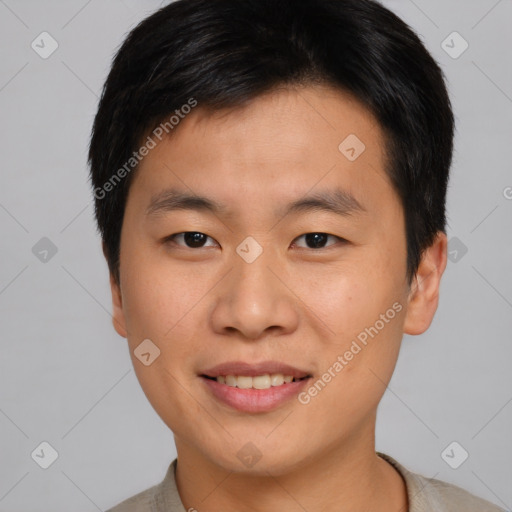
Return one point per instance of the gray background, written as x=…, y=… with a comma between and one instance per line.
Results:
x=66, y=376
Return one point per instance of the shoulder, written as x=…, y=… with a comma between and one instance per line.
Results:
x=448, y=496
x=162, y=497
x=141, y=502
x=428, y=494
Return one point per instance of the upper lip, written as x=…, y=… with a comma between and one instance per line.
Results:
x=254, y=369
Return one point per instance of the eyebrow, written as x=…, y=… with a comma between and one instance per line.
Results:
x=338, y=201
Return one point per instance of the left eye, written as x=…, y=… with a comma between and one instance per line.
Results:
x=318, y=240
x=193, y=239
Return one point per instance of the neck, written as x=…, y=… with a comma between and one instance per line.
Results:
x=349, y=474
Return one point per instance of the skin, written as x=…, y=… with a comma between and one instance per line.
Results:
x=295, y=303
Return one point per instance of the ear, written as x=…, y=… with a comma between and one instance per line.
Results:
x=118, y=320
x=424, y=294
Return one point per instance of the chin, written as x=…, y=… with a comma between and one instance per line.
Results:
x=253, y=459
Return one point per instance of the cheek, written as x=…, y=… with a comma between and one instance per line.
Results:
x=157, y=297
x=345, y=298
x=363, y=309
x=169, y=306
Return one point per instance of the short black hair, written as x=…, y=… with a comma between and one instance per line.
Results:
x=221, y=54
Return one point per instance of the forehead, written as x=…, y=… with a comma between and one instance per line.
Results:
x=277, y=148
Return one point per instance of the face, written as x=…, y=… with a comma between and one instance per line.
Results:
x=295, y=255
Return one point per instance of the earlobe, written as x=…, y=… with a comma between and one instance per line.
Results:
x=424, y=295
x=118, y=320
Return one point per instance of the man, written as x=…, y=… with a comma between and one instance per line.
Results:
x=270, y=181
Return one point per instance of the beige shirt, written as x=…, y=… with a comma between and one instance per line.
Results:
x=425, y=495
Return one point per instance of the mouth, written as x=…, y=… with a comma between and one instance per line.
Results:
x=264, y=381
x=254, y=388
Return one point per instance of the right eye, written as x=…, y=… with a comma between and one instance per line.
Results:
x=192, y=239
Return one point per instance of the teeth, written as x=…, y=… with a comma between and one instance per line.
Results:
x=265, y=381
x=244, y=382
x=277, y=379
x=231, y=380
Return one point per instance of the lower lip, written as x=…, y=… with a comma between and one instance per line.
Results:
x=254, y=400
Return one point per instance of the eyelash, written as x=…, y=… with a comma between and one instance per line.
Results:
x=171, y=240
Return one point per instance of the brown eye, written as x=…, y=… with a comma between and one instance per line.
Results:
x=192, y=239
x=317, y=240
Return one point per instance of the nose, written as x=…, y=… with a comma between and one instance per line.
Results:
x=255, y=299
